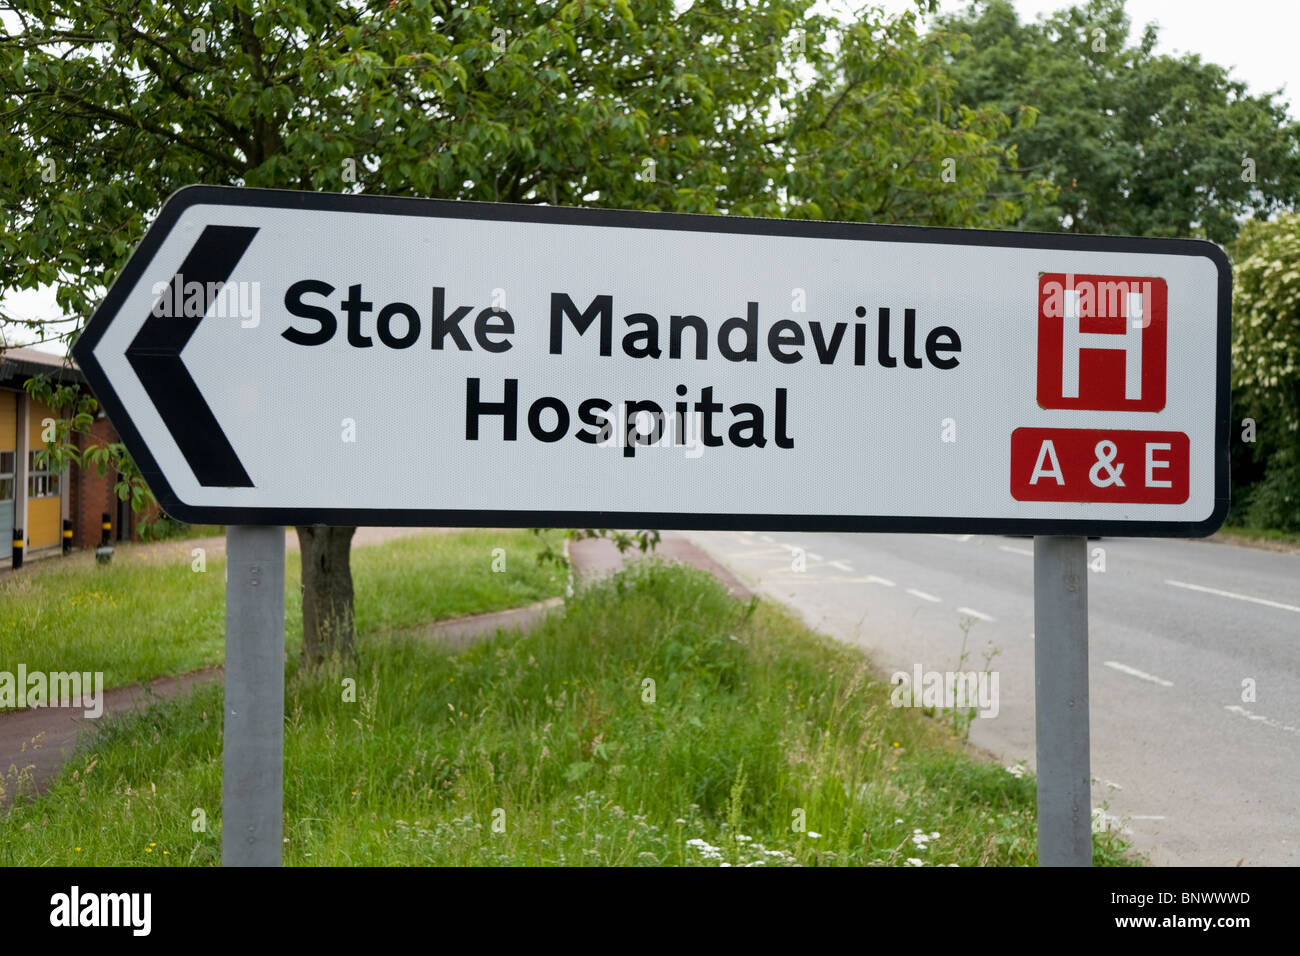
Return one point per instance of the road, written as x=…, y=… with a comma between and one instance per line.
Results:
x=1197, y=768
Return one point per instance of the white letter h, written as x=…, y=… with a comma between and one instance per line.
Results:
x=1075, y=340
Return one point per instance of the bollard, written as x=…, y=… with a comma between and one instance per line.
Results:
x=67, y=535
x=104, y=553
x=18, y=548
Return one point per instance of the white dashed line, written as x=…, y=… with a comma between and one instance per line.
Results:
x=1015, y=550
x=973, y=613
x=1260, y=718
x=1235, y=596
x=956, y=537
x=841, y=565
x=767, y=540
x=923, y=596
x=814, y=555
x=1140, y=675
x=1147, y=816
x=869, y=579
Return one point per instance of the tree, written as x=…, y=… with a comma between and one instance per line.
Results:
x=111, y=106
x=881, y=134
x=1266, y=366
x=1137, y=143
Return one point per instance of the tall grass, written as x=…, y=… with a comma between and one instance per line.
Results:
x=656, y=721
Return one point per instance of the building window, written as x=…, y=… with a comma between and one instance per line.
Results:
x=41, y=482
x=7, y=461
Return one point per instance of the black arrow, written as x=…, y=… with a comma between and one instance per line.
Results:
x=155, y=354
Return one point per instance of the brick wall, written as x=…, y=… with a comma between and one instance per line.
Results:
x=92, y=493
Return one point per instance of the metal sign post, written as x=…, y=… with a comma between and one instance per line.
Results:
x=252, y=792
x=1061, y=701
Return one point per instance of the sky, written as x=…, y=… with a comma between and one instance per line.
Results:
x=1257, y=39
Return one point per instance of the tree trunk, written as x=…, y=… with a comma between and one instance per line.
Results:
x=327, y=622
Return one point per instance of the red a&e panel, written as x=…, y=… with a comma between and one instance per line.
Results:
x=1102, y=464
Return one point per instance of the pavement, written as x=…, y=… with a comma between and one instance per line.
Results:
x=1194, y=665
x=593, y=558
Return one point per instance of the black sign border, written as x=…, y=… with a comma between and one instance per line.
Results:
x=189, y=196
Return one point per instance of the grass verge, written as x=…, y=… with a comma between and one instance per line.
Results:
x=1261, y=537
x=656, y=721
x=150, y=613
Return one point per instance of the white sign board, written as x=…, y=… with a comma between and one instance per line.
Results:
x=275, y=357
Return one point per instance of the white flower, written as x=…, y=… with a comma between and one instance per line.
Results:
x=899, y=820
x=814, y=835
x=913, y=861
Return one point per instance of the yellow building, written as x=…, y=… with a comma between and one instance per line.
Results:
x=33, y=497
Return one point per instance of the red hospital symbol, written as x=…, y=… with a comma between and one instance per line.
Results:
x=1102, y=342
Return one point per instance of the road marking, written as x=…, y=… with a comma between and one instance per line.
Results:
x=814, y=556
x=956, y=537
x=766, y=540
x=973, y=613
x=1267, y=721
x=869, y=579
x=923, y=596
x=1014, y=550
x=1147, y=816
x=841, y=565
x=1234, y=595
x=1141, y=675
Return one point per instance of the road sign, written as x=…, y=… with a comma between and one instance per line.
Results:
x=275, y=357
